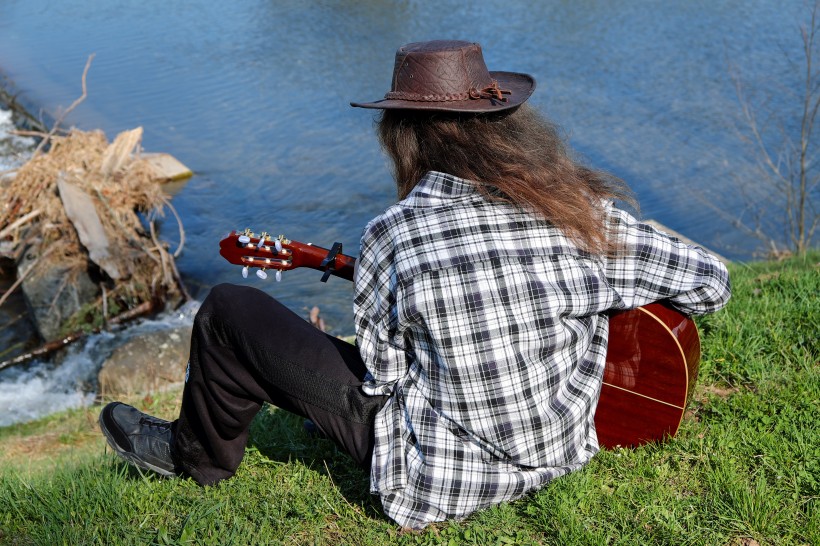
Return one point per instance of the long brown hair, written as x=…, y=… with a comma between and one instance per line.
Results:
x=518, y=157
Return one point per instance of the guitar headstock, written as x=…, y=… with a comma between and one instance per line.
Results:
x=262, y=251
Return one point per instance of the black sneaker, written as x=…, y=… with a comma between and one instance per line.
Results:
x=140, y=439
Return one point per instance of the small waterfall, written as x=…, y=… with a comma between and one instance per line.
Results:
x=38, y=388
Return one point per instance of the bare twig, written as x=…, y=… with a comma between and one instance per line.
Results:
x=22, y=277
x=162, y=252
x=178, y=278
x=62, y=116
x=21, y=132
x=19, y=222
x=168, y=204
x=51, y=346
x=55, y=300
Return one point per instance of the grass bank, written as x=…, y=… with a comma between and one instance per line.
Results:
x=743, y=470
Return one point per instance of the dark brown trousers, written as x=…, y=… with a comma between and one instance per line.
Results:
x=247, y=349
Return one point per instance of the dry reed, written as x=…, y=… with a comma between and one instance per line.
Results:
x=127, y=196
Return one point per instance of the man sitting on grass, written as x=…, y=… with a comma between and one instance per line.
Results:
x=481, y=303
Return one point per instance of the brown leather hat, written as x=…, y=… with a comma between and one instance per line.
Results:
x=450, y=76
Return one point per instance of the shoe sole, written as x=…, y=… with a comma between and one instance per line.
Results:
x=130, y=457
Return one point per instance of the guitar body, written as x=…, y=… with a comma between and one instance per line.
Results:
x=652, y=357
x=651, y=366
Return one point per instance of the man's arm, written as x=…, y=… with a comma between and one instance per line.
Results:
x=655, y=266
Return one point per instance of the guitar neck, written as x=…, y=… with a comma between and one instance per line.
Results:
x=313, y=257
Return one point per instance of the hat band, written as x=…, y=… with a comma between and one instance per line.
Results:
x=492, y=91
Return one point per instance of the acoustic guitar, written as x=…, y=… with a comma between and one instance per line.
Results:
x=652, y=356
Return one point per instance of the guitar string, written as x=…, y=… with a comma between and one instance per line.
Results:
x=683, y=357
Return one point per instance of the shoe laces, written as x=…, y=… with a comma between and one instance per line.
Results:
x=155, y=423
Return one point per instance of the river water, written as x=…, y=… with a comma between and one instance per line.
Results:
x=253, y=96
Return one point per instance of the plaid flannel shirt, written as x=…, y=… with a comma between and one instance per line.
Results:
x=485, y=326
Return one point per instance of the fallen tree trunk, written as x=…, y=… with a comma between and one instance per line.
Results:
x=57, y=344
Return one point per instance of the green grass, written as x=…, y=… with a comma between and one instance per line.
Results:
x=743, y=470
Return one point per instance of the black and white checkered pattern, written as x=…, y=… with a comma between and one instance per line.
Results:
x=485, y=324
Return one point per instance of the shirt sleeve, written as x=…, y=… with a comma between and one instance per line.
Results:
x=654, y=266
x=375, y=312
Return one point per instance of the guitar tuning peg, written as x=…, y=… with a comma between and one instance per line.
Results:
x=262, y=238
x=261, y=274
x=244, y=239
x=245, y=272
x=278, y=275
x=278, y=244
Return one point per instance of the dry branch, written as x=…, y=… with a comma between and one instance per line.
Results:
x=47, y=348
x=74, y=104
x=23, y=276
x=23, y=220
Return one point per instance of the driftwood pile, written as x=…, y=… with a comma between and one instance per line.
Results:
x=79, y=223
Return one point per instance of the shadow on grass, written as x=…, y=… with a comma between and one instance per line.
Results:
x=280, y=436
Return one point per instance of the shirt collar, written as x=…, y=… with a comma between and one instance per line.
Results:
x=438, y=185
